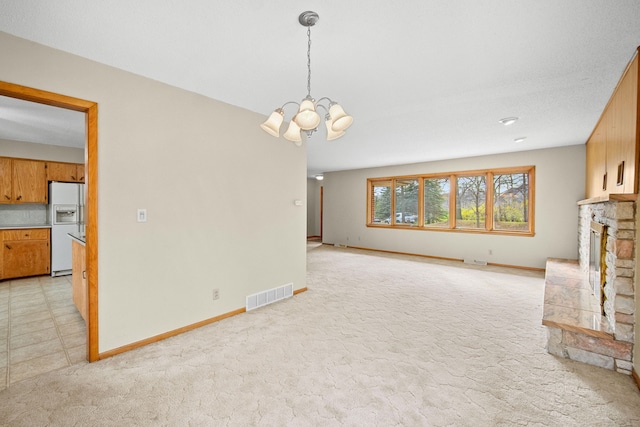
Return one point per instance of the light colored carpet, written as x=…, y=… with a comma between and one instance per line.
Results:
x=376, y=340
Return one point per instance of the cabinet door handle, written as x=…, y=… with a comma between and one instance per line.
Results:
x=604, y=181
x=84, y=275
x=7, y=246
x=73, y=178
x=620, y=179
x=7, y=197
x=19, y=198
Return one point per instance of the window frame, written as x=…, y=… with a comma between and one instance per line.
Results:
x=489, y=175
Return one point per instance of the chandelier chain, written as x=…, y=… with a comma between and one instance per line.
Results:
x=309, y=62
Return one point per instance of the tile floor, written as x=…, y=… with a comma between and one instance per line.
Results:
x=40, y=328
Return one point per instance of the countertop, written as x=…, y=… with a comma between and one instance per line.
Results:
x=19, y=226
x=78, y=237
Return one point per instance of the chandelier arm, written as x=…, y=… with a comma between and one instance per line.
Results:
x=323, y=98
x=322, y=106
x=289, y=102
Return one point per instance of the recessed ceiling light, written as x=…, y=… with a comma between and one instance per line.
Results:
x=508, y=120
x=521, y=139
x=319, y=177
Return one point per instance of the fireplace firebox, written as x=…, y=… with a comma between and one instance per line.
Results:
x=597, y=263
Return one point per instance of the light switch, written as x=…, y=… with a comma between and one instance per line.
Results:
x=142, y=215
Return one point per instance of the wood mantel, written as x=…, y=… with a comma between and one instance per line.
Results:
x=610, y=198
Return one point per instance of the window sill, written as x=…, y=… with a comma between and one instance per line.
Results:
x=455, y=230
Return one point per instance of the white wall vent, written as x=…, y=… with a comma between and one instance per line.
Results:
x=269, y=296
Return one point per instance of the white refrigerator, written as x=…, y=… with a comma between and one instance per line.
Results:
x=66, y=214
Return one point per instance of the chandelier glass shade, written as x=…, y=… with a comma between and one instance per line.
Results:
x=307, y=119
x=293, y=133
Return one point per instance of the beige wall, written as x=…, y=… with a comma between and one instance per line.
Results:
x=313, y=207
x=559, y=185
x=29, y=150
x=193, y=163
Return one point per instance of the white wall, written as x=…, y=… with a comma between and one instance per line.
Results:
x=30, y=150
x=559, y=184
x=193, y=163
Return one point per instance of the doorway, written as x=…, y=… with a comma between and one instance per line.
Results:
x=91, y=174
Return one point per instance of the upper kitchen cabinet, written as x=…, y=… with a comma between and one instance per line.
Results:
x=65, y=172
x=23, y=181
x=596, y=160
x=612, y=149
x=5, y=180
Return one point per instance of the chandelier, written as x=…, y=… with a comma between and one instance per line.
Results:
x=307, y=118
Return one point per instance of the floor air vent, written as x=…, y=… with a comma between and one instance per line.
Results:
x=270, y=296
x=475, y=261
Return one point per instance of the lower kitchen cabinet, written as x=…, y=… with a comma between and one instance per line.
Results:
x=25, y=252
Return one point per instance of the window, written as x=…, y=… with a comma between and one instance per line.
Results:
x=381, y=202
x=436, y=202
x=511, y=202
x=496, y=201
x=406, y=201
x=471, y=201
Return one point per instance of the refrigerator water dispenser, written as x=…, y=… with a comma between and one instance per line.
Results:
x=65, y=214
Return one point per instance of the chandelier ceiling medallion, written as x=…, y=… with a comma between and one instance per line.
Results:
x=307, y=118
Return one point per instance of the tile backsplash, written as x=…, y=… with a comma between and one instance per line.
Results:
x=27, y=214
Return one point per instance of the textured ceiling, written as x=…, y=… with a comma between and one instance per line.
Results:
x=32, y=122
x=423, y=79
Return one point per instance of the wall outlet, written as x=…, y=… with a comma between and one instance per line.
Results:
x=216, y=294
x=142, y=215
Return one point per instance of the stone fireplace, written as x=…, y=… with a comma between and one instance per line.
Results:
x=617, y=219
x=589, y=306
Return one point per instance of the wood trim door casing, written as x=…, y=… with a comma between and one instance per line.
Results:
x=91, y=188
x=321, y=209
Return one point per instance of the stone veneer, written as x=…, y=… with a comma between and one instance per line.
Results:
x=619, y=217
x=577, y=327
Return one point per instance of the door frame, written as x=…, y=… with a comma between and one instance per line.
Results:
x=321, y=209
x=91, y=188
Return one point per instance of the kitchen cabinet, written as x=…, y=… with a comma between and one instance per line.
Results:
x=79, y=278
x=65, y=172
x=5, y=180
x=612, y=148
x=22, y=181
x=25, y=252
x=596, y=160
x=622, y=133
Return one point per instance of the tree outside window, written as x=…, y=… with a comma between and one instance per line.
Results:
x=381, y=202
x=436, y=202
x=511, y=202
x=406, y=203
x=471, y=200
